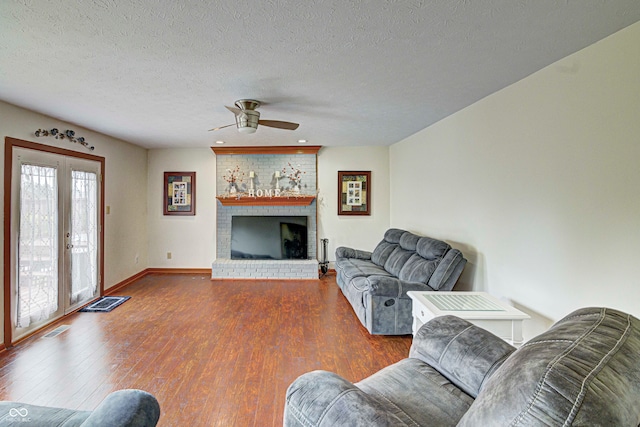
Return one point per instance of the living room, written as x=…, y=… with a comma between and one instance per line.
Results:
x=537, y=185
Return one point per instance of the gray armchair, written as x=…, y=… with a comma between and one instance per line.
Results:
x=585, y=370
x=123, y=408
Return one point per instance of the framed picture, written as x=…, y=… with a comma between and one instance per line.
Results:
x=179, y=193
x=354, y=193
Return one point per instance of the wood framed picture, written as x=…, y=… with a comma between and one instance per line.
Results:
x=179, y=193
x=354, y=192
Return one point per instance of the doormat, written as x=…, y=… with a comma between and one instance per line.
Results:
x=105, y=304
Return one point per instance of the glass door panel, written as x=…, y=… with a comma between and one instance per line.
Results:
x=83, y=236
x=37, y=286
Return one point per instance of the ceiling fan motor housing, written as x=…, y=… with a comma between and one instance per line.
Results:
x=247, y=121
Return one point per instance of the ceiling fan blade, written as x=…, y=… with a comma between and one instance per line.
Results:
x=222, y=127
x=278, y=124
x=234, y=110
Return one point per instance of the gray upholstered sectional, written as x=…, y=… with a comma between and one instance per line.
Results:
x=584, y=371
x=376, y=283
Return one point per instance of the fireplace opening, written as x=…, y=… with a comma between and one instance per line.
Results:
x=269, y=237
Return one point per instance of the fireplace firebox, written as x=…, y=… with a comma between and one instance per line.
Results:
x=269, y=237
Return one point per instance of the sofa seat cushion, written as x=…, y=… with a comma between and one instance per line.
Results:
x=353, y=267
x=417, y=394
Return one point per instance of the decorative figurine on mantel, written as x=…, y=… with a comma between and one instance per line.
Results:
x=233, y=177
x=276, y=176
x=295, y=177
x=252, y=176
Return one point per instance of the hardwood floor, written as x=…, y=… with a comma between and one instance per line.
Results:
x=213, y=352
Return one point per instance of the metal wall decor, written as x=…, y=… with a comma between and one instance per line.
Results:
x=67, y=134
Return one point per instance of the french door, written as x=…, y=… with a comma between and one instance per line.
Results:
x=55, y=236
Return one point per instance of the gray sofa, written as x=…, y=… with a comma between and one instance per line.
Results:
x=376, y=283
x=123, y=408
x=585, y=370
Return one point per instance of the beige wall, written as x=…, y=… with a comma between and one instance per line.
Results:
x=538, y=184
x=126, y=223
x=190, y=239
x=361, y=232
x=125, y=187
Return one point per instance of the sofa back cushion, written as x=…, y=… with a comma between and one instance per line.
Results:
x=397, y=260
x=583, y=371
x=423, y=263
x=415, y=258
x=408, y=256
x=431, y=249
x=381, y=253
x=409, y=241
x=390, y=241
x=417, y=269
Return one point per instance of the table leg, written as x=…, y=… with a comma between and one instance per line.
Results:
x=516, y=333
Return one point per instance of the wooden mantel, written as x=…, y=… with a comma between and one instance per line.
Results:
x=245, y=200
x=266, y=201
x=284, y=149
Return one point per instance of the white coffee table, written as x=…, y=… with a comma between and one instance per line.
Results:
x=479, y=308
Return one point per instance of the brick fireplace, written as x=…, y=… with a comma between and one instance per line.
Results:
x=258, y=198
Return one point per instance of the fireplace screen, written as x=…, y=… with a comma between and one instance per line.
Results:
x=269, y=237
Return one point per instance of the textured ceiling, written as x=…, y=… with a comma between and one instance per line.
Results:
x=361, y=72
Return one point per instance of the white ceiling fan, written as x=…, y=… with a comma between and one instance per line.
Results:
x=248, y=119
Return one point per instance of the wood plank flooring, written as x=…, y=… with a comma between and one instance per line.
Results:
x=213, y=352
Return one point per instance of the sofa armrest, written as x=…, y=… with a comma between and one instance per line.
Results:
x=464, y=353
x=344, y=252
x=324, y=399
x=388, y=286
x=130, y=408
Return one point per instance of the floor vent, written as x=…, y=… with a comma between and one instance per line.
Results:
x=57, y=331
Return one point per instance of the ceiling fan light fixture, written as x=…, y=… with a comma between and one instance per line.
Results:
x=246, y=129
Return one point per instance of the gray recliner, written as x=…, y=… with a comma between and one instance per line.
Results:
x=123, y=408
x=583, y=371
x=376, y=283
